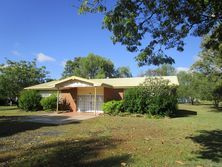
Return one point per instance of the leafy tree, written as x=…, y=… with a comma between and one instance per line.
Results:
x=217, y=95
x=163, y=70
x=72, y=67
x=209, y=65
x=14, y=76
x=205, y=87
x=92, y=66
x=189, y=86
x=165, y=23
x=166, y=70
x=197, y=86
x=149, y=72
x=123, y=72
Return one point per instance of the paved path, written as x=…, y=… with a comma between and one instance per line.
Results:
x=63, y=118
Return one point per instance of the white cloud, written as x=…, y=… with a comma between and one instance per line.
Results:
x=178, y=69
x=41, y=57
x=15, y=52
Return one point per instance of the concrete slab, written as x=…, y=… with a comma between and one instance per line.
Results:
x=57, y=119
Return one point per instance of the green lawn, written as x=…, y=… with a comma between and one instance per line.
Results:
x=194, y=138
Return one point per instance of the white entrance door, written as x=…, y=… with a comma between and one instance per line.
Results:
x=86, y=103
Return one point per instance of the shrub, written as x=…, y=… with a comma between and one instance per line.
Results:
x=155, y=97
x=135, y=101
x=113, y=107
x=64, y=105
x=29, y=100
x=3, y=101
x=49, y=103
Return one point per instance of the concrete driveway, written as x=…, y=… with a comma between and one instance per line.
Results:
x=62, y=118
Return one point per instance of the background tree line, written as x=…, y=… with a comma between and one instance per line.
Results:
x=202, y=82
x=94, y=66
x=16, y=75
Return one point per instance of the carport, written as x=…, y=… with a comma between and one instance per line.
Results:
x=82, y=95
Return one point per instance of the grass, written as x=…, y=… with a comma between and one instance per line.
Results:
x=14, y=111
x=193, y=138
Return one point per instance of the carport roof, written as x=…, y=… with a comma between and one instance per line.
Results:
x=54, y=85
x=108, y=82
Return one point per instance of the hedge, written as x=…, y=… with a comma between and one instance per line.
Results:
x=29, y=100
x=49, y=103
x=154, y=97
x=113, y=107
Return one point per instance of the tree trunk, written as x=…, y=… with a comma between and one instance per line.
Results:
x=192, y=101
x=216, y=103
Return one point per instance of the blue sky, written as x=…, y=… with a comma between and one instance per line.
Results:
x=53, y=32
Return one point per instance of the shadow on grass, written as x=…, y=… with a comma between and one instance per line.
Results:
x=211, y=145
x=202, y=104
x=184, y=113
x=214, y=109
x=76, y=153
x=10, y=125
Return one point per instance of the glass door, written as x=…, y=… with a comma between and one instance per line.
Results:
x=86, y=103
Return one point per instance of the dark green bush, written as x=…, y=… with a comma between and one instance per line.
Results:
x=135, y=101
x=3, y=101
x=113, y=107
x=49, y=103
x=29, y=100
x=154, y=97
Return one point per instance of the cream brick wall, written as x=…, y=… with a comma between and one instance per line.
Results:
x=90, y=90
